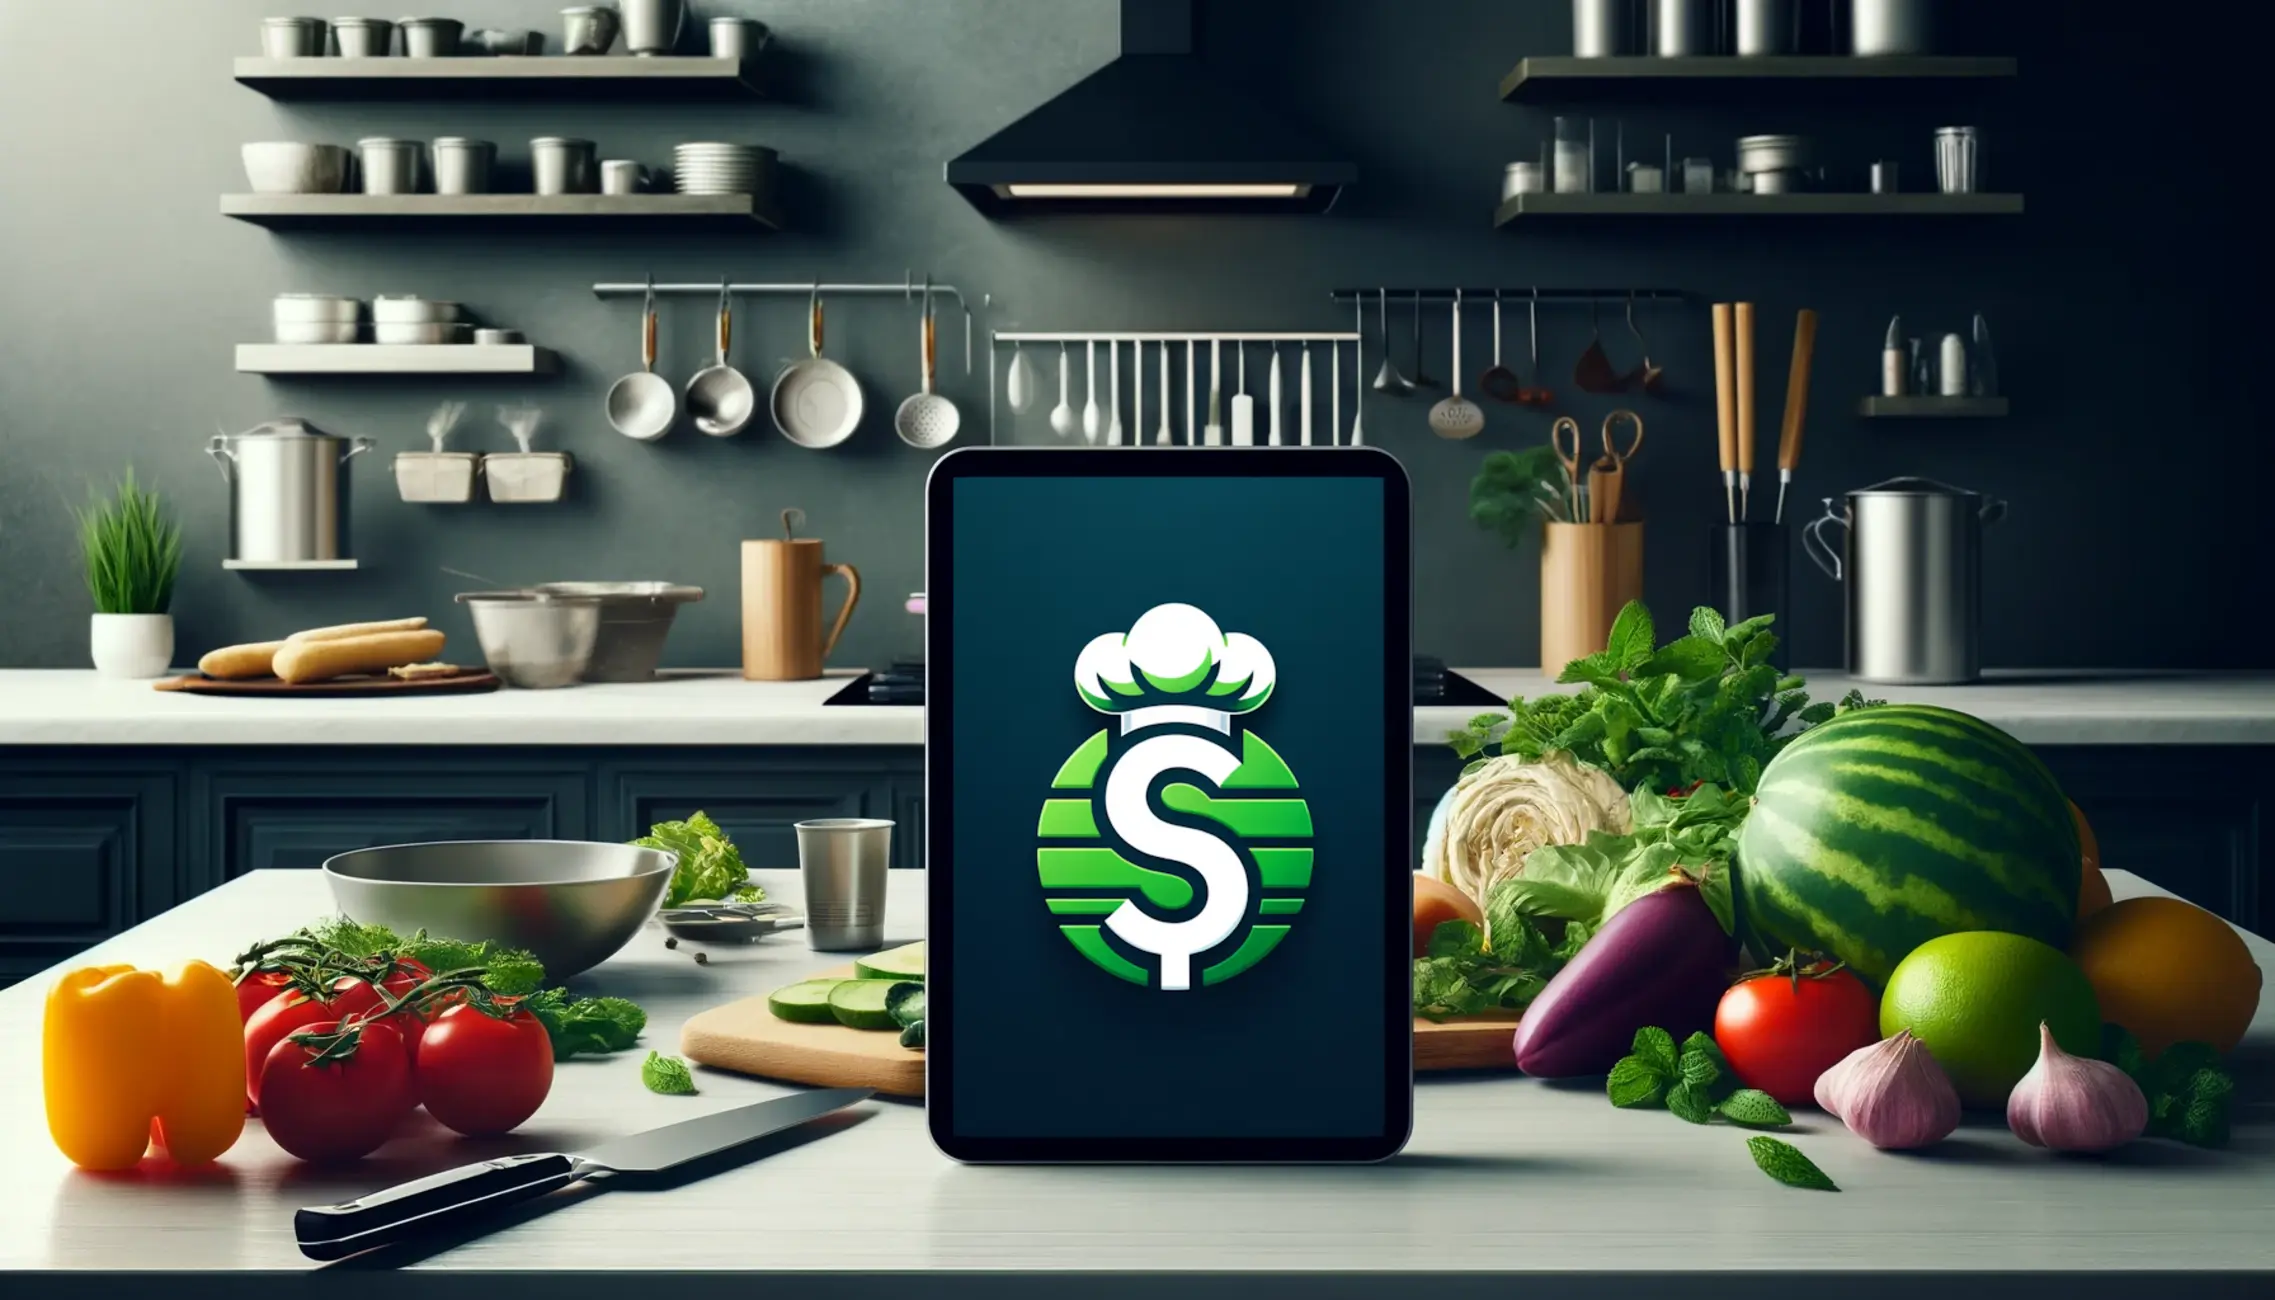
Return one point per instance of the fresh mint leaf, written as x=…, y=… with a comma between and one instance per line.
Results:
x=1753, y=1109
x=1821, y=711
x=1699, y=1069
x=1706, y=624
x=1634, y=1084
x=587, y=1026
x=1632, y=636
x=1702, y=1043
x=668, y=1075
x=1655, y=1047
x=1784, y=1162
x=1690, y=1102
x=1456, y=939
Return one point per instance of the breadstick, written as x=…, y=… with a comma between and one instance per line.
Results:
x=239, y=662
x=316, y=661
x=346, y=630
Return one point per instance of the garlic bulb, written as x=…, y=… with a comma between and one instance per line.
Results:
x=2072, y=1103
x=1504, y=810
x=1892, y=1094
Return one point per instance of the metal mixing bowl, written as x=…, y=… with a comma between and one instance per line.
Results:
x=635, y=617
x=571, y=903
x=534, y=639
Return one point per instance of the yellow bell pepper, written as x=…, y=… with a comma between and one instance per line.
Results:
x=132, y=1057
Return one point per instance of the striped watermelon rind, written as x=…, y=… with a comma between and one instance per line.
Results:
x=1889, y=826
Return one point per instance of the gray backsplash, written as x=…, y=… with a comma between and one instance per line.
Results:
x=124, y=292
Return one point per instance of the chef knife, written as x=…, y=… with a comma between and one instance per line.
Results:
x=452, y=1196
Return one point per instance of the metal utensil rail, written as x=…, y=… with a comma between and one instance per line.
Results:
x=1528, y=293
x=1333, y=339
x=909, y=289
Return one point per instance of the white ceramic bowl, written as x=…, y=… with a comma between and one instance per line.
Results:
x=295, y=167
x=417, y=332
x=396, y=309
x=316, y=331
x=292, y=308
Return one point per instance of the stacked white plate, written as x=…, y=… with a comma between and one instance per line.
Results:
x=708, y=168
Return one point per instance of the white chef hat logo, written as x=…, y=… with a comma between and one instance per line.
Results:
x=1175, y=655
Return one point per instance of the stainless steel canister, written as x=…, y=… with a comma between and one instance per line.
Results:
x=462, y=166
x=287, y=490
x=1768, y=27
x=1912, y=563
x=1682, y=28
x=843, y=863
x=390, y=166
x=364, y=38
x=1958, y=158
x=1884, y=27
x=564, y=166
x=1601, y=29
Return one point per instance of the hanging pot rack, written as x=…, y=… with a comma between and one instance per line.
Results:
x=910, y=289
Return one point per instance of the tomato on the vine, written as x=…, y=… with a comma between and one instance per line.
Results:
x=329, y=1099
x=255, y=990
x=278, y=1018
x=353, y=995
x=482, y=1072
x=1782, y=1028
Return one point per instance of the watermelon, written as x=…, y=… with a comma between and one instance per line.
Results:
x=1889, y=826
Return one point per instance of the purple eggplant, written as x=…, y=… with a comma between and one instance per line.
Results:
x=1662, y=960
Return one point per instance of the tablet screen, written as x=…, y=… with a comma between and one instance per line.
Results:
x=1174, y=871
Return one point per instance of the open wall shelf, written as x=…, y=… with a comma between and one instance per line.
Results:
x=560, y=76
x=1544, y=206
x=731, y=211
x=1928, y=407
x=1540, y=78
x=393, y=359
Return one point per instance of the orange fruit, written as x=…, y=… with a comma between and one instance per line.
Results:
x=1435, y=903
x=2169, y=971
x=2093, y=887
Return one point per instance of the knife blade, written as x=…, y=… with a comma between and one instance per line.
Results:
x=328, y=1232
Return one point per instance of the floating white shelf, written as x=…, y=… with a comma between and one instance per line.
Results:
x=288, y=566
x=393, y=359
x=579, y=76
x=734, y=210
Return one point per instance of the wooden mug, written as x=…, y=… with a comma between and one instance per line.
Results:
x=782, y=609
x=1588, y=573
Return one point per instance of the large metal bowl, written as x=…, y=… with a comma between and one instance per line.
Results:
x=533, y=639
x=571, y=903
x=635, y=617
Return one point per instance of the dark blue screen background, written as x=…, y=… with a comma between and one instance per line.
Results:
x=1044, y=1044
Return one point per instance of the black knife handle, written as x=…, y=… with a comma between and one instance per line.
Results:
x=337, y=1231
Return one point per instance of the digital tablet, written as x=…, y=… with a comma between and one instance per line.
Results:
x=1168, y=747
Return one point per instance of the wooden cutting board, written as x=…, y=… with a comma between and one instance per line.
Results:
x=471, y=681
x=749, y=1039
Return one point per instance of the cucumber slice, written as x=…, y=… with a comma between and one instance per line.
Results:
x=902, y=963
x=807, y=1002
x=860, y=1004
x=913, y=1036
x=905, y=1004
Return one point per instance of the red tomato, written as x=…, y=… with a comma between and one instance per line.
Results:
x=483, y=1075
x=278, y=1018
x=353, y=996
x=1780, y=1034
x=339, y=1109
x=255, y=990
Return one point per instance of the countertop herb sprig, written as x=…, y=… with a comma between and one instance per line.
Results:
x=1706, y=707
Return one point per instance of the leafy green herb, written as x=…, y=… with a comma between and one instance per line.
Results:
x=668, y=1075
x=2188, y=1093
x=1753, y=1109
x=1515, y=490
x=1693, y=838
x=131, y=549
x=1462, y=976
x=1633, y=1084
x=587, y=1026
x=1656, y=1048
x=1691, y=1102
x=1706, y=707
x=1784, y=1162
x=709, y=865
x=507, y=972
x=1702, y=1045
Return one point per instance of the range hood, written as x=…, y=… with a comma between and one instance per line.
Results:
x=1155, y=130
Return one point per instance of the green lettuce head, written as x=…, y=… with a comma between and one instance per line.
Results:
x=1174, y=655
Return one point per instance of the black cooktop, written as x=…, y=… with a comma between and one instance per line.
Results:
x=903, y=683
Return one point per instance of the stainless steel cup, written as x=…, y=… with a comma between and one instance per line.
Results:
x=1600, y=29
x=737, y=38
x=364, y=38
x=1682, y=28
x=1885, y=27
x=390, y=166
x=1958, y=154
x=462, y=166
x=432, y=38
x=843, y=862
x=652, y=27
x=563, y=166
x=589, y=29
x=1885, y=178
x=622, y=176
x=1768, y=27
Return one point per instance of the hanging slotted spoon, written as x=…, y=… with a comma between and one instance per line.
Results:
x=1498, y=383
x=927, y=420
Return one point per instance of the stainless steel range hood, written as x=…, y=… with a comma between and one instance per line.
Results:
x=1155, y=130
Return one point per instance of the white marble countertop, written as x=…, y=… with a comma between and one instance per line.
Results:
x=1507, y=1182
x=70, y=707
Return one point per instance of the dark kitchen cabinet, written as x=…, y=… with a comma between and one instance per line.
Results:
x=86, y=849
x=258, y=810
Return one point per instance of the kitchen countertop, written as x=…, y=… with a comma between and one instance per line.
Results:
x=75, y=707
x=1504, y=1176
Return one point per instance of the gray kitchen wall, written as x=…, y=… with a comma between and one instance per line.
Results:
x=122, y=292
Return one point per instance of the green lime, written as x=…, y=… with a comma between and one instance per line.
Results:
x=1976, y=999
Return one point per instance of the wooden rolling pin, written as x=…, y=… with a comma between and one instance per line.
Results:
x=1796, y=404
x=1726, y=410
x=1745, y=331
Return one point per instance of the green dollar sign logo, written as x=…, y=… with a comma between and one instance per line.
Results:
x=1151, y=873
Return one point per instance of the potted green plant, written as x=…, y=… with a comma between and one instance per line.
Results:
x=133, y=552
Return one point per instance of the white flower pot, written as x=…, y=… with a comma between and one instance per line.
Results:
x=131, y=645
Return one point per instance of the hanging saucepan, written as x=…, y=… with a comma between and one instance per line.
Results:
x=816, y=402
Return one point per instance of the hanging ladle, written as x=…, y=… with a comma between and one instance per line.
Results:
x=1387, y=379
x=1499, y=383
x=1646, y=376
x=1533, y=394
x=1593, y=373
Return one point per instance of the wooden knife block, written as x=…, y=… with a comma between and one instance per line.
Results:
x=1588, y=573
